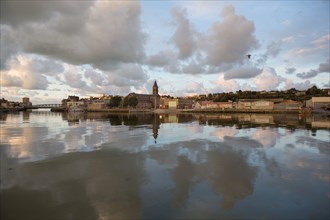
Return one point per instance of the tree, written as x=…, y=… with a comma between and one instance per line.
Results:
x=313, y=90
x=114, y=102
x=133, y=101
x=130, y=101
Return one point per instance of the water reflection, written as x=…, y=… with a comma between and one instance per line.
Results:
x=135, y=166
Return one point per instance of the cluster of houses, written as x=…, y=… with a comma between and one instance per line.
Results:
x=316, y=103
x=155, y=101
x=150, y=102
x=250, y=104
x=74, y=103
x=10, y=105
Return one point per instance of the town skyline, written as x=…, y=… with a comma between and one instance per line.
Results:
x=56, y=49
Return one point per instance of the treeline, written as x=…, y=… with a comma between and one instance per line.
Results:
x=118, y=101
x=292, y=94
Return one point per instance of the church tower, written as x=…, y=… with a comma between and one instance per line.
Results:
x=155, y=88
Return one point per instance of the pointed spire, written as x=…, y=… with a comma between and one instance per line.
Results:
x=155, y=88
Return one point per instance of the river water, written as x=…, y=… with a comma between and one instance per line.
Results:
x=149, y=166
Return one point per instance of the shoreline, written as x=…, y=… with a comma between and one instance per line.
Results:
x=176, y=111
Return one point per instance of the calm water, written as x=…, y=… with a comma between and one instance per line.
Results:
x=101, y=166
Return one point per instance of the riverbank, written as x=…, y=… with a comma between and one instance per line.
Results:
x=304, y=111
x=261, y=111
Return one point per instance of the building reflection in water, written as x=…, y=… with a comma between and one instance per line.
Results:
x=133, y=166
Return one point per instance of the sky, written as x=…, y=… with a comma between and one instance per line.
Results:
x=53, y=49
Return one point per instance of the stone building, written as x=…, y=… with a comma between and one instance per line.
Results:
x=318, y=103
x=148, y=101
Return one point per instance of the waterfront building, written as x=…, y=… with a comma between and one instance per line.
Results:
x=318, y=103
x=205, y=105
x=185, y=103
x=95, y=104
x=262, y=104
x=148, y=101
x=76, y=106
x=225, y=105
x=287, y=105
x=26, y=102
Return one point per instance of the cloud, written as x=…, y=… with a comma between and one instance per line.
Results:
x=242, y=73
x=193, y=68
x=8, y=80
x=74, y=79
x=268, y=79
x=97, y=77
x=318, y=46
x=183, y=37
x=272, y=50
x=100, y=33
x=306, y=75
x=323, y=68
x=223, y=85
x=8, y=46
x=322, y=40
x=129, y=75
x=299, y=86
x=287, y=22
x=288, y=39
x=290, y=70
x=228, y=42
x=223, y=132
x=223, y=46
x=326, y=85
x=16, y=14
x=162, y=58
x=24, y=72
x=267, y=137
x=190, y=89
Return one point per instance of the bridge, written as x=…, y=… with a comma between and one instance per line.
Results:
x=46, y=106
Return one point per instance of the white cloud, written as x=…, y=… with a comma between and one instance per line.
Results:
x=288, y=39
x=228, y=42
x=223, y=132
x=268, y=79
x=267, y=137
x=223, y=85
x=318, y=46
x=184, y=36
x=322, y=40
x=287, y=22
x=223, y=46
x=22, y=73
x=299, y=85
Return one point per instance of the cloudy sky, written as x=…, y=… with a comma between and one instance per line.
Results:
x=52, y=49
